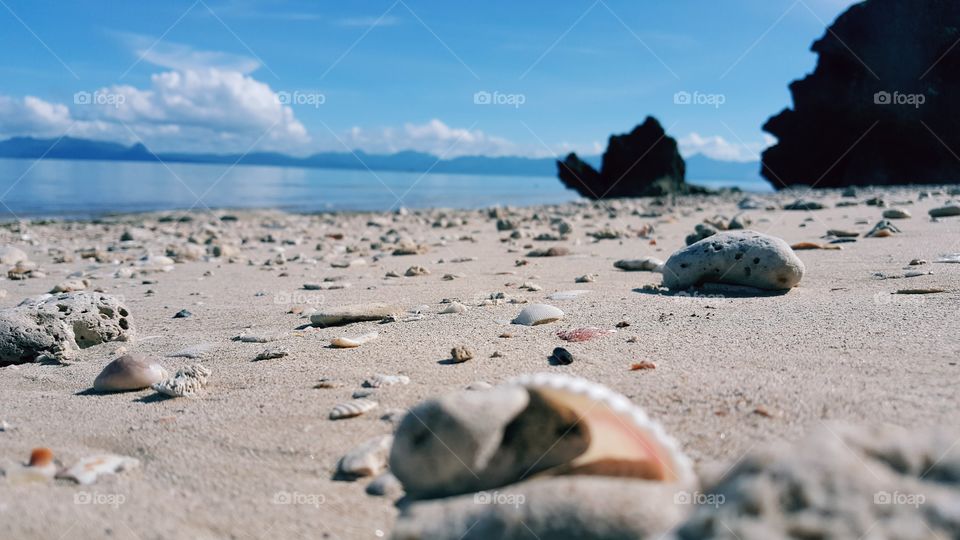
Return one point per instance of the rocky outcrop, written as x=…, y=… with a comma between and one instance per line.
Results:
x=881, y=106
x=642, y=163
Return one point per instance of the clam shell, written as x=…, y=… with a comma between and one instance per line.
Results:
x=129, y=372
x=352, y=408
x=351, y=343
x=615, y=443
x=535, y=314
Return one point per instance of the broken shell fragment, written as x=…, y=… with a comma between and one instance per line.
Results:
x=585, y=333
x=87, y=470
x=352, y=343
x=380, y=380
x=368, y=459
x=187, y=382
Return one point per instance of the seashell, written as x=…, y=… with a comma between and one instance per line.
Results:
x=368, y=459
x=646, y=264
x=272, y=353
x=41, y=468
x=354, y=313
x=585, y=333
x=624, y=441
x=328, y=383
x=40, y=457
x=351, y=343
x=882, y=229
x=414, y=271
x=536, y=314
x=87, y=470
x=949, y=258
x=567, y=295
x=379, y=380
x=129, y=372
x=187, y=382
x=352, y=408
x=475, y=440
x=586, y=278
x=255, y=338
x=454, y=307
x=460, y=354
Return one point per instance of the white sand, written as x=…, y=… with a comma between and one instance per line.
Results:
x=836, y=347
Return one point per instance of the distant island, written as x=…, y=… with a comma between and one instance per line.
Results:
x=699, y=167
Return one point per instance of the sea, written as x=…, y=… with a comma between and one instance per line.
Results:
x=76, y=189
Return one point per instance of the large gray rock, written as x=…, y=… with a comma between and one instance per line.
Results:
x=840, y=482
x=469, y=441
x=744, y=258
x=58, y=325
x=570, y=507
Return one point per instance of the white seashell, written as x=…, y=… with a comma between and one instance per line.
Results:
x=454, y=307
x=87, y=470
x=187, y=382
x=379, y=380
x=352, y=408
x=350, y=343
x=535, y=314
x=592, y=403
x=646, y=264
x=368, y=459
x=567, y=295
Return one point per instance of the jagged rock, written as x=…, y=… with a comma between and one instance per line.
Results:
x=58, y=325
x=880, y=106
x=642, y=163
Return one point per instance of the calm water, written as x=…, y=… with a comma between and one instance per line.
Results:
x=84, y=188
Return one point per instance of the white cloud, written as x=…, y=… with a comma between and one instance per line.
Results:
x=433, y=137
x=32, y=116
x=208, y=102
x=717, y=147
x=180, y=57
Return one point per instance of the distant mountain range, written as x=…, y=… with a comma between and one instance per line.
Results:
x=699, y=167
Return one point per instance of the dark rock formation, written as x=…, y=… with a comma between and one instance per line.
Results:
x=882, y=105
x=642, y=163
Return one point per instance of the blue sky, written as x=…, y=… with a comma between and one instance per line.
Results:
x=500, y=77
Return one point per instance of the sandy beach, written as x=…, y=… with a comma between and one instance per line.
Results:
x=255, y=455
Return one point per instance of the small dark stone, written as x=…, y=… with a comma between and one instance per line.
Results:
x=561, y=357
x=182, y=314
